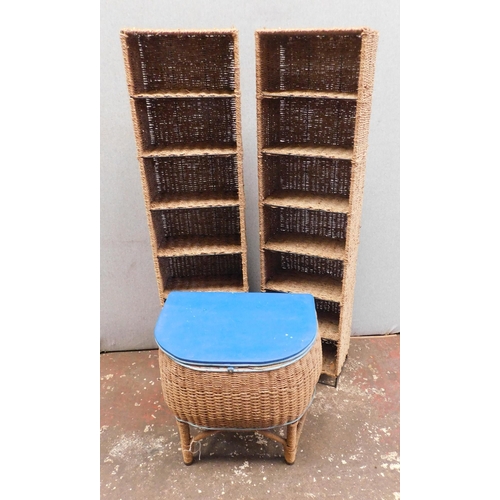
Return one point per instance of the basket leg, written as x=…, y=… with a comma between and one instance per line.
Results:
x=293, y=432
x=291, y=443
x=185, y=435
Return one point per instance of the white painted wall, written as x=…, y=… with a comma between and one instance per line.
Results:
x=129, y=300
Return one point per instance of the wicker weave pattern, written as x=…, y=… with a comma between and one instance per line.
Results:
x=322, y=62
x=304, y=173
x=302, y=221
x=196, y=222
x=180, y=61
x=186, y=121
x=306, y=264
x=200, y=266
x=191, y=175
x=322, y=122
x=241, y=400
x=326, y=306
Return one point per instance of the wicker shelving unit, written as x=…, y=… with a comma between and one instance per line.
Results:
x=184, y=92
x=314, y=93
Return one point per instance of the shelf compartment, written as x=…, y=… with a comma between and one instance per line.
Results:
x=308, y=122
x=303, y=222
x=190, y=181
x=289, y=272
x=196, y=227
x=319, y=286
x=328, y=313
x=329, y=350
x=162, y=62
x=309, y=174
x=301, y=61
x=201, y=273
x=186, y=122
x=317, y=246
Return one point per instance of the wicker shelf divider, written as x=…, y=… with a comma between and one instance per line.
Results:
x=314, y=92
x=184, y=89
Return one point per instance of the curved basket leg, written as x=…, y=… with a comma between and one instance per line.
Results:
x=185, y=435
x=293, y=432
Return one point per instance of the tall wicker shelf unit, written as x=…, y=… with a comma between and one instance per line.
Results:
x=185, y=100
x=314, y=93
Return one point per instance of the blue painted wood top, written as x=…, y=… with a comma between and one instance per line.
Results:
x=240, y=328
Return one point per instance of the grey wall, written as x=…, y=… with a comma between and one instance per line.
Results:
x=129, y=300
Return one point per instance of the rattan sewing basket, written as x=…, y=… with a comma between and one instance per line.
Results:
x=239, y=361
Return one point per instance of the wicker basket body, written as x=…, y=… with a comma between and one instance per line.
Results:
x=260, y=399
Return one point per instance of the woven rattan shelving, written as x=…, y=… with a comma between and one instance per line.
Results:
x=185, y=102
x=314, y=93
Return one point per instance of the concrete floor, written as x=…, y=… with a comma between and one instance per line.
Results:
x=349, y=448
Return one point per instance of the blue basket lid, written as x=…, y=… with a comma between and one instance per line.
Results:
x=240, y=329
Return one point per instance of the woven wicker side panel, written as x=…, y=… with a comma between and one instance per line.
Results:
x=264, y=225
x=367, y=73
x=323, y=122
x=191, y=174
x=196, y=222
x=304, y=221
x=239, y=145
x=152, y=232
x=323, y=62
x=196, y=62
x=303, y=173
x=189, y=121
x=241, y=400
